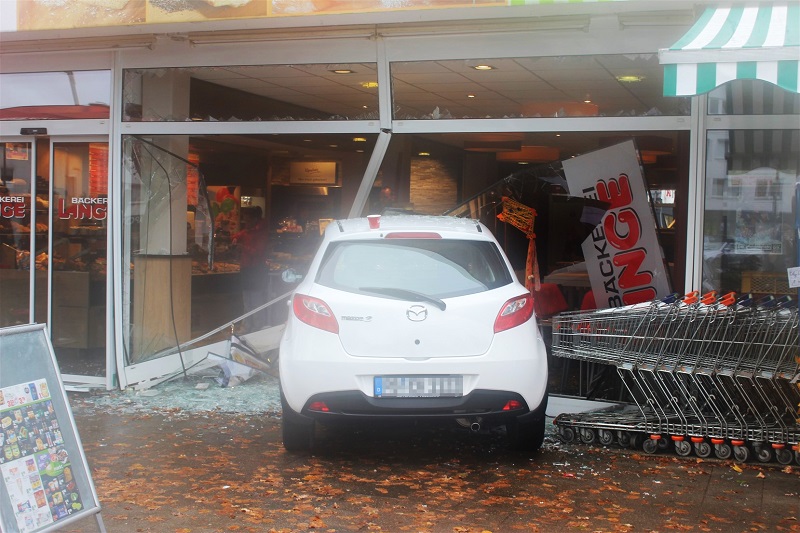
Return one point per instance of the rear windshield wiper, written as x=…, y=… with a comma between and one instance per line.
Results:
x=404, y=294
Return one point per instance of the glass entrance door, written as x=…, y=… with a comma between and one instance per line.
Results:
x=19, y=237
x=78, y=224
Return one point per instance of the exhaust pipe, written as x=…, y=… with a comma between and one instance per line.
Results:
x=475, y=427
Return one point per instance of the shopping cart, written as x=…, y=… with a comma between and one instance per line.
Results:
x=706, y=374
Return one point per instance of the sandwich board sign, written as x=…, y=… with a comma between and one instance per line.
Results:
x=45, y=482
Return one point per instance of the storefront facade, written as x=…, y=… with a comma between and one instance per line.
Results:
x=126, y=179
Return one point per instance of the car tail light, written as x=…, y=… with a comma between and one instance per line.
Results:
x=516, y=311
x=319, y=406
x=512, y=405
x=314, y=312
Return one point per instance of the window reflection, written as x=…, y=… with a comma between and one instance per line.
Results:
x=252, y=93
x=55, y=95
x=752, y=97
x=749, y=242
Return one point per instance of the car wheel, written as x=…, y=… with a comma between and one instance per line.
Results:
x=298, y=436
x=526, y=436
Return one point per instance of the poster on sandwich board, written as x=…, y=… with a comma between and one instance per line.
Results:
x=623, y=256
x=45, y=482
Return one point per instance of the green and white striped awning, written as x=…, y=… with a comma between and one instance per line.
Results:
x=757, y=40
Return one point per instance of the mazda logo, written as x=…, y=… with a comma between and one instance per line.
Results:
x=417, y=313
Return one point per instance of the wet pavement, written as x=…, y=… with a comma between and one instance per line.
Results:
x=182, y=459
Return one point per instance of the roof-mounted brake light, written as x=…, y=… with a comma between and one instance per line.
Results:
x=413, y=235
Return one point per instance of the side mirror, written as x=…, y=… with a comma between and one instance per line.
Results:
x=290, y=276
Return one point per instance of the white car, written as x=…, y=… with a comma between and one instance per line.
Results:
x=410, y=317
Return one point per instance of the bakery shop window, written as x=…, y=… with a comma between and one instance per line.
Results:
x=211, y=223
x=252, y=93
x=78, y=94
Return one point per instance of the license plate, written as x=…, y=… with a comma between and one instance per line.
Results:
x=418, y=386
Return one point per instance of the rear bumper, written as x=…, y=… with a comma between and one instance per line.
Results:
x=354, y=405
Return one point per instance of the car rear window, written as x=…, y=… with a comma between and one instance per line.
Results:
x=440, y=268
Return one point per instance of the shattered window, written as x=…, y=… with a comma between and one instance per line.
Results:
x=167, y=228
x=251, y=93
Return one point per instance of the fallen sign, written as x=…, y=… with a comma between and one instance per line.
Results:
x=248, y=354
x=46, y=482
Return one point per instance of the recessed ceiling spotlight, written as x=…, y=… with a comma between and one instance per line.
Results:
x=369, y=84
x=558, y=135
x=483, y=67
x=587, y=99
x=630, y=78
x=470, y=96
x=424, y=153
x=359, y=139
x=333, y=145
x=342, y=71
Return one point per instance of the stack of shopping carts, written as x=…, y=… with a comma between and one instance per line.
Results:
x=706, y=375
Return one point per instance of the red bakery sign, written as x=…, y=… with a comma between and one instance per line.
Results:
x=12, y=207
x=83, y=209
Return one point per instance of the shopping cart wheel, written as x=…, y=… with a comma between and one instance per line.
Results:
x=624, y=439
x=683, y=447
x=637, y=439
x=723, y=451
x=702, y=449
x=587, y=435
x=650, y=446
x=764, y=455
x=605, y=437
x=567, y=434
x=784, y=456
x=663, y=443
x=741, y=454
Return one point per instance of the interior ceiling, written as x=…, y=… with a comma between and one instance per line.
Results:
x=529, y=87
x=511, y=89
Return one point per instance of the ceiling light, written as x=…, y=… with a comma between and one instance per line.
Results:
x=424, y=153
x=359, y=139
x=587, y=99
x=369, y=84
x=470, y=96
x=630, y=78
x=342, y=71
x=483, y=67
x=333, y=145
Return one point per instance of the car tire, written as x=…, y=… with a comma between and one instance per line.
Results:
x=298, y=436
x=528, y=436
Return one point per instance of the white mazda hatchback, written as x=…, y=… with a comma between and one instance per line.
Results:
x=412, y=317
